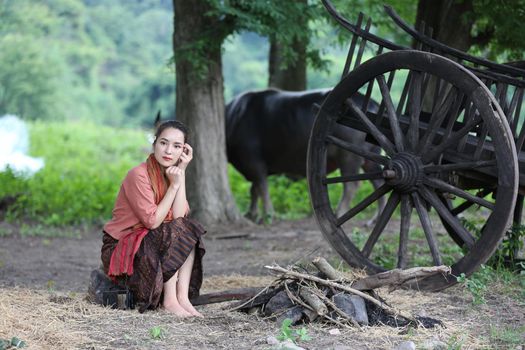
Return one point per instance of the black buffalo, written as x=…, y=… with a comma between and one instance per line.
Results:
x=267, y=133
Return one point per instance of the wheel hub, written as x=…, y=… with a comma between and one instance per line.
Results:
x=404, y=172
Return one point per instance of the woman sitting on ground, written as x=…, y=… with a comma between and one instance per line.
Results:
x=150, y=244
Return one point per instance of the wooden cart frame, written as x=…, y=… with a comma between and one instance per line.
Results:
x=449, y=142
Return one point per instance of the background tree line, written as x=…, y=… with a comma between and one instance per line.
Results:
x=112, y=62
x=109, y=61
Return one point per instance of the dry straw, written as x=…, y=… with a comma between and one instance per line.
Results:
x=46, y=320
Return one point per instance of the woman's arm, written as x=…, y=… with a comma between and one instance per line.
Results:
x=179, y=204
x=140, y=196
x=165, y=204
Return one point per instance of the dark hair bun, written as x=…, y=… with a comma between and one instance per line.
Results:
x=172, y=124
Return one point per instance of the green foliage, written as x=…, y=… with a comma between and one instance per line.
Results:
x=302, y=334
x=82, y=59
x=288, y=333
x=28, y=87
x=84, y=166
x=383, y=25
x=290, y=198
x=51, y=285
x=245, y=64
x=14, y=343
x=157, y=332
x=108, y=61
x=240, y=189
x=11, y=185
x=507, y=250
x=512, y=243
x=500, y=279
x=502, y=22
x=477, y=284
x=507, y=336
x=456, y=342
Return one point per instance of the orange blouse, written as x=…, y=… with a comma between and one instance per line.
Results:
x=135, y=203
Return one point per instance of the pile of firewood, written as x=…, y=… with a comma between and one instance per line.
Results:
x=345, y=299
x=340, y=298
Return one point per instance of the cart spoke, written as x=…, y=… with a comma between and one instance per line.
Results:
x=436, y=118
x=404, y=93
x=350, y=178
x=358, y=150
x=391, y=112
x=382, y=220
x=406, y=212
x=381, y=110
x=427, y=228
x=465, y=205
x=415, y=109
x=453, y=221
x=438, y=91
x=516, y=109
x=378, y=135
x=452, y=139
x=374, y=196
x=432, y=168
x=469, y=111
x=445, y=187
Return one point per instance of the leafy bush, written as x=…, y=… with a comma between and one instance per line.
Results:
x=84, y=166
x=289, y=197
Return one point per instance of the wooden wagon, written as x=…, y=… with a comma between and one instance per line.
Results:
x=450, y=130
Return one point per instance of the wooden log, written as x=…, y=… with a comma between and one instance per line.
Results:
x=227, y=295
x=260, y=298
x=310, y=314
x=338, y=310
x=308, y=310
x=313, y=300
x=232, y=236
x=398, y=277
x=342, y=287
x=325, y=267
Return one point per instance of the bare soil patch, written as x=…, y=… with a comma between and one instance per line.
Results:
x=43, y=283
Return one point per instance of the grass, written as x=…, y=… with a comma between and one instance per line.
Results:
x=507, y=336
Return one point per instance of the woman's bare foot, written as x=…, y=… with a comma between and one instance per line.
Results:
x=189, y=308
x=177, y=309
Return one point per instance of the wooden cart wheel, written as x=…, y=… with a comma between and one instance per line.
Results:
x=448, y=163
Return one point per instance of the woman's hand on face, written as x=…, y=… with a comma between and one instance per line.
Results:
x=174, y=175
x=185, y=157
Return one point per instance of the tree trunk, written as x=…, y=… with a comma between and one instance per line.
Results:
x=289, y=76
x=200, y=105
x=451, y=21
x=293, y=76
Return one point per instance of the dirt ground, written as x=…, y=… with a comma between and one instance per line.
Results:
x=43, y=283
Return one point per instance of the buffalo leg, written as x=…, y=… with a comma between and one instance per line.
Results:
x=348, y=164
x=370, y=167
x=267, y=202
x=258, y=190
x=254, y=197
